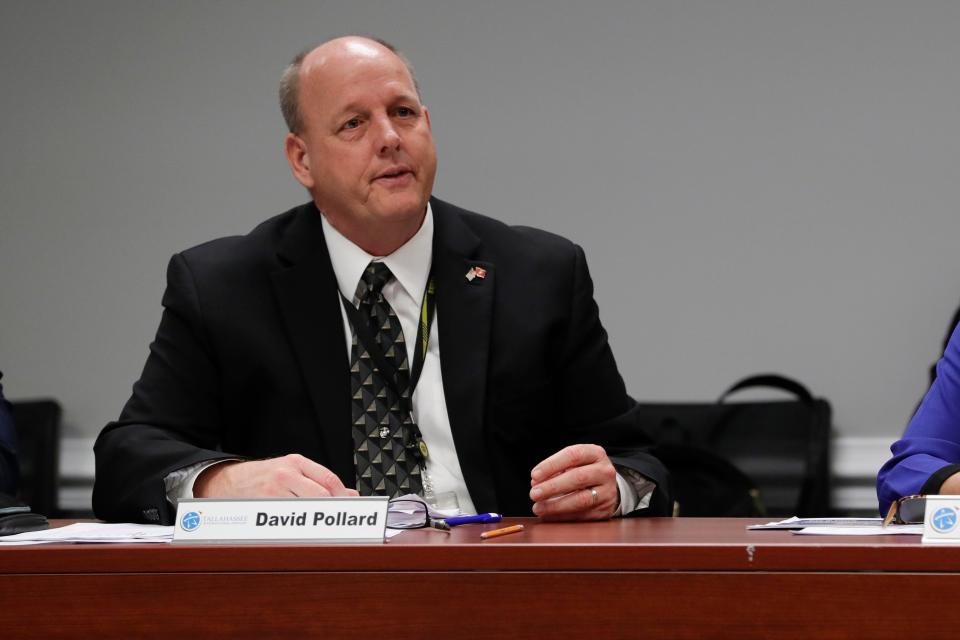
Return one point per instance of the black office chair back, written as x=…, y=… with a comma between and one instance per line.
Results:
x=38, y=432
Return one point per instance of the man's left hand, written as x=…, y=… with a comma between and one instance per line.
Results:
x=576, y=483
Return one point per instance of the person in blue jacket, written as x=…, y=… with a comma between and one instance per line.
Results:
x=926, y=460
x=9, y=469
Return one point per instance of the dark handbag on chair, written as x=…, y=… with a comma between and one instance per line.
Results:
x=753, y=458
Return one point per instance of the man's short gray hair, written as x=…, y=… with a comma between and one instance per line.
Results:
x=290, y=83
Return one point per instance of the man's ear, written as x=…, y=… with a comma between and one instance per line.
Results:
x=299, y=159
x=426, y=114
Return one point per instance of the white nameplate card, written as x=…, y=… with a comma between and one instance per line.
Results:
x=941, y=520
x=212, y=520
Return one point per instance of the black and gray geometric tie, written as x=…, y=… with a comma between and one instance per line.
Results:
x=382, y=427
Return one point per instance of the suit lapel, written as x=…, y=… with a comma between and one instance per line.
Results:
x=464, y=311
x=306, y=291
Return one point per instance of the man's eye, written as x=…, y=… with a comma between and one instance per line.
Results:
x=404, y=112
x=352, y=123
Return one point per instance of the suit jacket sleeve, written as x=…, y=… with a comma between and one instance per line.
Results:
x=929, y=450
x=173, y=418
x=593, y=376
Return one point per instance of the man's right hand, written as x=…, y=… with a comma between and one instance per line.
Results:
x=291, y=475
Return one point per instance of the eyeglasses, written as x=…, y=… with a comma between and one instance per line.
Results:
x=906, y=510
x=412, y=514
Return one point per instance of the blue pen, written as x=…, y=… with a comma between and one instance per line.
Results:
x=481, y=518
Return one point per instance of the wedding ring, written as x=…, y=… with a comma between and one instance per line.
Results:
x=596, y=496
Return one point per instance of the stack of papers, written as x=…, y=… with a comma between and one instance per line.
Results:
x=840, y=527
x=93, y=532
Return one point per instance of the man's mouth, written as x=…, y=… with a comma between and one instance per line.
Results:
x=394, y=176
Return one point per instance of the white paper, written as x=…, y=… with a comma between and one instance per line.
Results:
x=839, y=527
x=878, y=530
x=800, y=523
x=93, y=532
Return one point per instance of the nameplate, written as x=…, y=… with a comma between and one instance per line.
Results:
x=941, y=520
x=212, y=520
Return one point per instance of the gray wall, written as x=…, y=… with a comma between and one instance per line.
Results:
x=758, y=185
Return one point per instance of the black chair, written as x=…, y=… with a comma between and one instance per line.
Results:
x=38, y=432
x=707, y=485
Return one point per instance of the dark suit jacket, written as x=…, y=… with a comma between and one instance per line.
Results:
x=249, y=361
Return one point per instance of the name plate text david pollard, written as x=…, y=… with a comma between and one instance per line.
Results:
x=213, y=520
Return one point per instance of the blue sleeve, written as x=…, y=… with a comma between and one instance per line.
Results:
x=932, y=439
x=9, y=470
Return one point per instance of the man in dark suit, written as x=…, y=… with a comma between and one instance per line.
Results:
x=257, y=371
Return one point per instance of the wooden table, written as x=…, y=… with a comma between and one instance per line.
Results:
x=655, y=578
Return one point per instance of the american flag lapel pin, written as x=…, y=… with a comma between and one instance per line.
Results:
x=476, y=272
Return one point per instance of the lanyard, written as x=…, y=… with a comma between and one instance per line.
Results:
x=365, y=337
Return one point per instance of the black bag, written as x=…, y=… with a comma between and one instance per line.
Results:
x=778, y=451
x=704, y=484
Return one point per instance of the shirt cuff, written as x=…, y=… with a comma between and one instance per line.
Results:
x=635, y=490
x=179, y=484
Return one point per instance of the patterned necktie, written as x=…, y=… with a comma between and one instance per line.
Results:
x=382, y=427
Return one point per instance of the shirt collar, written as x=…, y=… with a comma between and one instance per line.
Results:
x=410, y=264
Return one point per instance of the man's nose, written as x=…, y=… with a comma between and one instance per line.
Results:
x=389, y=139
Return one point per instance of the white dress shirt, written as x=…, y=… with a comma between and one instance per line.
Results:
x=410, y=265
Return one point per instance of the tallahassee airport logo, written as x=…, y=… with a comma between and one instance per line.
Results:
x=190, y=521
x=944, y=520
